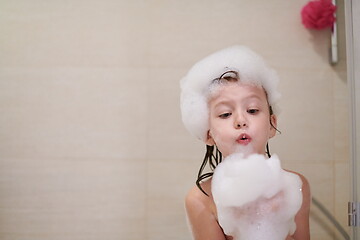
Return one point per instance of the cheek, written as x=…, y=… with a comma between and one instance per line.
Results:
x=215, y=135
x=216, y=128
x=267, y=131
x=220, y=138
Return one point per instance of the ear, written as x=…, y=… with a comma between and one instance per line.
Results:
x=209, y=140
x=273, y=120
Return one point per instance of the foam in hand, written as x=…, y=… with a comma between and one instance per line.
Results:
x=255, y=198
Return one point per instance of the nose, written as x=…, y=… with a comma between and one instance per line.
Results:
x=240, y=122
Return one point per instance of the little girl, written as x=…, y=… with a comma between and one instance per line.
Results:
x=228, y=101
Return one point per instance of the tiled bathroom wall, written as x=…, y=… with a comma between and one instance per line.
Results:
x=91, y=140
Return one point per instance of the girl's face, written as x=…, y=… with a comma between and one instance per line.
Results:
x=240, y=119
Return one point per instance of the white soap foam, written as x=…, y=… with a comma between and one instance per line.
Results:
x=255, y=198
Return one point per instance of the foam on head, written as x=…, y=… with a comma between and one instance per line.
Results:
x=195, y=86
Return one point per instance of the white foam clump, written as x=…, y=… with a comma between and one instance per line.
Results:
x=255, y=198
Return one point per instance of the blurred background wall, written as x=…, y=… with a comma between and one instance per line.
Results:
x=91, y=140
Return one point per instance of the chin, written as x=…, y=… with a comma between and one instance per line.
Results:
x=245, y=149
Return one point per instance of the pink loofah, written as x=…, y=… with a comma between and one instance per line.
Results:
x=318, y=14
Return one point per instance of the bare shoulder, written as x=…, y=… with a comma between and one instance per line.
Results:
x=302, y=217
x=305, y=183
x=196, y=199
x=201, y=214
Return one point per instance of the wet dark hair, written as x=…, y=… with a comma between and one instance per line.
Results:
x=212, y=155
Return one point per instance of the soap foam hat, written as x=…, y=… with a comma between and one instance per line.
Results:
x=195, y=86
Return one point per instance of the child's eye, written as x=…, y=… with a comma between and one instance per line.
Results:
x=253, y=111
x=225, y=115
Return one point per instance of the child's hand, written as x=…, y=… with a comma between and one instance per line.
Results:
x=259, y=208
x=255, y=198
x=259, y=219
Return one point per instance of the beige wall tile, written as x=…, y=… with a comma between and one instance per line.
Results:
x=67, y=199
x=341, y=118
x=306, y=118
x=168, y=138
x=342, y=193
x=168, y=183
x=81, y=33
x=73, y=113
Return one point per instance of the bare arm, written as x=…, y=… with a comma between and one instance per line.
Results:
x=202, y=220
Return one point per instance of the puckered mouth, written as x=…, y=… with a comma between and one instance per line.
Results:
x=244, y=139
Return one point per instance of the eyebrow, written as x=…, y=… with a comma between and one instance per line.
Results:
x=221, y=103
x=227, y=101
